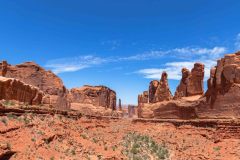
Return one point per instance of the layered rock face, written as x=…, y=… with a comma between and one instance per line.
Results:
x=33, y=74
x=223, y=92
x=184, y=108
x=95, y=95
x=191, y=83
x=13, y=89
x=55, y=93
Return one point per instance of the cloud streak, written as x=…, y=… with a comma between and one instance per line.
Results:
x=74, y=64
x=82, y=62
x=174, y=70
x=192, y=55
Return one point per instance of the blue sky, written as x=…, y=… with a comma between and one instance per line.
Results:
x=122, y=44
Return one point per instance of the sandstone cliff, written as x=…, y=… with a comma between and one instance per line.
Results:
x=223, y=92
x=95, y=95
x=13, y=89
x=33, y=74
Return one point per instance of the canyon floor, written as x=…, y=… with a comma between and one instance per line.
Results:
x=56, y=136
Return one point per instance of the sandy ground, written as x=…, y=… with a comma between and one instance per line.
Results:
x=55, y=137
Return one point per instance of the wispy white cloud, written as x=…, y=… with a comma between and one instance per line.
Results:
x=145, y=56
x=187, y=54
x=237, y=42
x=201, y=51
x=182, y=53
x=174, y=70
x=73, y=64
x=207, y=56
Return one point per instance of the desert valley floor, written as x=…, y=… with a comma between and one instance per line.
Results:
x=56, y=136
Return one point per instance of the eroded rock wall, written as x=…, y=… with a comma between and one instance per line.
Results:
x=223, y=92
x=95, y=95
x=31, y=73
x=13, y=89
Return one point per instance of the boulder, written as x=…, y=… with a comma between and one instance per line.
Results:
x=94, y=95
x=13, y=89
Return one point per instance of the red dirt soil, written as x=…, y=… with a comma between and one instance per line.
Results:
x=55, y=137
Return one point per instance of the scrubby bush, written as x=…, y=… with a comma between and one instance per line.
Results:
x=142, y=147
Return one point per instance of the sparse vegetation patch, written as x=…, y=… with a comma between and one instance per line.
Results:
x=142, y=147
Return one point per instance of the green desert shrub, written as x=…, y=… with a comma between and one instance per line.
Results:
x=143, y=147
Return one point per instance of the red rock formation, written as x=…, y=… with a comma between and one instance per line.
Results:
x=143, y=98
x=163, y=92
x=220, y=101
x=159, y=91
x=195, y=86
x=152, y=91
x=95, y=95
x=13, y=89
x=223, y=92
x=191, y=83
x=173, y=109
x=33, y=74
x=119, y=105
x=181, y=90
